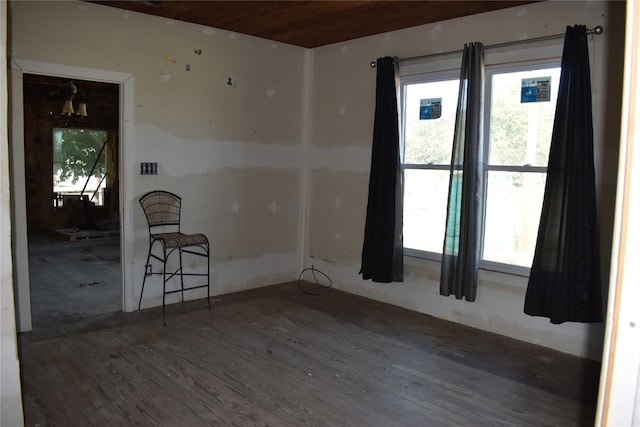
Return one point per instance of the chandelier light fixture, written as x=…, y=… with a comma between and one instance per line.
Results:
x=68, y=91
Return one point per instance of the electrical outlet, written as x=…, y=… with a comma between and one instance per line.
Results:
x=148, y=270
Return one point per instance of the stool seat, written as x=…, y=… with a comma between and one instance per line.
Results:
x=180, y=240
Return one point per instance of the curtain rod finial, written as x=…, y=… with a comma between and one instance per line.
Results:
x=598, y=29
x=373, y=64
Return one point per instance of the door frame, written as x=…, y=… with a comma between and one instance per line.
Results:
x=18, y=201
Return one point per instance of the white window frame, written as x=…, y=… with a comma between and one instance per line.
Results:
x=535, y=55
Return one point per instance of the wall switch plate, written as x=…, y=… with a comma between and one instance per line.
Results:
x=148, y=168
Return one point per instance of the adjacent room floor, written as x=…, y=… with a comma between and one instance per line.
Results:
x=73, y=282
x=279, y=357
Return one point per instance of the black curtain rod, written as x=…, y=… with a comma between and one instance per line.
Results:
x=596, y=30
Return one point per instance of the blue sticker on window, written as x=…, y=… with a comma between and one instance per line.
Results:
x=536, y=89
x=430, y=108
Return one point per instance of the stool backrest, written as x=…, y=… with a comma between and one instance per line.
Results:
x=161, y=208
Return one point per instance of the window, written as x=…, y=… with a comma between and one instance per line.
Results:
x=427, y=154
x=79, y=165
x=516, y=162
x=519, y=108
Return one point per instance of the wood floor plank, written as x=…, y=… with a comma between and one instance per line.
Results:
x=276, y=382
x=330, y=367
x=406, y=391
x=307, y=384
x=278, y=357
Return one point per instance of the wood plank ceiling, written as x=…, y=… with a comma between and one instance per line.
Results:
x=311, y=23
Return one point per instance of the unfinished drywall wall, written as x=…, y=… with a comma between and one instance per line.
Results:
x=342, y=199
x=340, y=142
x=220, y=113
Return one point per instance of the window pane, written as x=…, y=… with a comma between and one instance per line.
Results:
x=75, y=153
x=425, y=209
x=429, y=140
x=521, y=131
x=514, y=203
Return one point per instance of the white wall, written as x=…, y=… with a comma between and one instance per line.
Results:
x=343, y=103
x=10, y=397
x=233, y=152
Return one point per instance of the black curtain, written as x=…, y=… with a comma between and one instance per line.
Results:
x=382, y=253
x=564, y=284
x=463, y=233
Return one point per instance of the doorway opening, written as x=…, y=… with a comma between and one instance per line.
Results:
x=72, y=201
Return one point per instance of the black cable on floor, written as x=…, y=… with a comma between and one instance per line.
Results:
x=317, y=283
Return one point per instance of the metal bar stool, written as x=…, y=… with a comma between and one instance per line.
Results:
x=162, y=210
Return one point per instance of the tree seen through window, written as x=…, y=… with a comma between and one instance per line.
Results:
x=79, y=164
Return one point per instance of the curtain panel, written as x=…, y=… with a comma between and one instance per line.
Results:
x=564, y=283
x=382, y=251
x=463, y=232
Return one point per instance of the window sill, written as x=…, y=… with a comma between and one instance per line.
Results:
x=422, y=259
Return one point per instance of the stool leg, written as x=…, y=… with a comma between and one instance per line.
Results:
x=181, y=278
x=144, y=278
x=208, y=279
x=164, y=284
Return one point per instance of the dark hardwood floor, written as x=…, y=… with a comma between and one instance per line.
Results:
x=278, y=357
